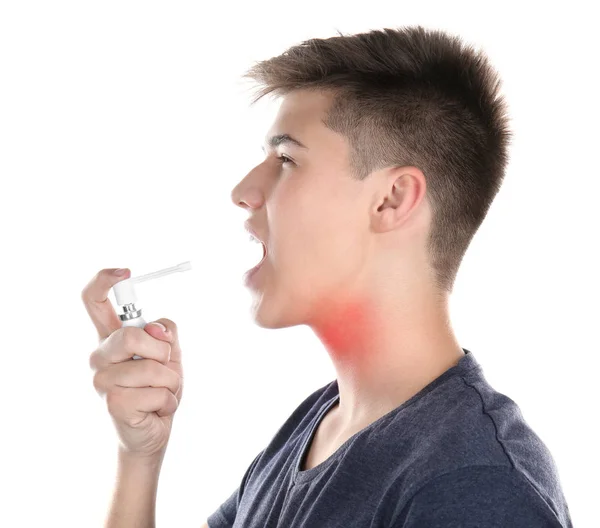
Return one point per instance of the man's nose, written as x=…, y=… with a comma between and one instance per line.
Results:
x=235, y=196
x=246, y=196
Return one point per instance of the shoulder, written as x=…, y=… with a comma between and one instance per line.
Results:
x=478, y=495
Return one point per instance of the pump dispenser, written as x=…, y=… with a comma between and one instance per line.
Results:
x=126, y=297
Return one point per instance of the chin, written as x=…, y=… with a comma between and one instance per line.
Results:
x=268, y=313
x=278, y=303
x=266, y=319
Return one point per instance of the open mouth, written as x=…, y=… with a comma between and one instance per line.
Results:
x=264, y=257
x=264, y=248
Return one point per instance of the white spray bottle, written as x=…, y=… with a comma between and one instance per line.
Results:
x=126, y=298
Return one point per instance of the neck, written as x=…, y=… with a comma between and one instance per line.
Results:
x=385, y=351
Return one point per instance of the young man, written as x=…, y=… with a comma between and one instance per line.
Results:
x=381, y=165
x=385, y=156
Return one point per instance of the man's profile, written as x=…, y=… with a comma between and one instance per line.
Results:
x=384, y=158
x=383, y=161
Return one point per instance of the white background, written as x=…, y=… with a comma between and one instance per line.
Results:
x=123, y=129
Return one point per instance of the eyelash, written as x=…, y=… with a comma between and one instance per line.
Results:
x=281, y=158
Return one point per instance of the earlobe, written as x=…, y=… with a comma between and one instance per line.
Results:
x=386, y=217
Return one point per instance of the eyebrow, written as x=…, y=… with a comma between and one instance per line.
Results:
x=281, y=139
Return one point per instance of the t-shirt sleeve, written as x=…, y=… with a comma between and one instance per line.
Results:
x=224, y=516
x=478, y=496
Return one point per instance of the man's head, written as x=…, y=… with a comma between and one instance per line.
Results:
x=404, y=148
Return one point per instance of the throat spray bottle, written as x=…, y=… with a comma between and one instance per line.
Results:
x=126, y=297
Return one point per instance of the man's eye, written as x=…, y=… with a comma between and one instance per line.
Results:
x=284, y=159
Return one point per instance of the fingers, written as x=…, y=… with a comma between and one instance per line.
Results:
x=131, y=406
x=172, y=336
x=97, y=304
x=136, y=374
x=125, y=342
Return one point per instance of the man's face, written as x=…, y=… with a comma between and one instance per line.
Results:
x=309, y=212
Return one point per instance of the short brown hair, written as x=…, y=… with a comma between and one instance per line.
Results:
x=410, y=96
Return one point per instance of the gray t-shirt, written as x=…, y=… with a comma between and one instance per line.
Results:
x=456, y=454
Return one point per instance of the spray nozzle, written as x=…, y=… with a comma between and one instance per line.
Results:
x=125, y=292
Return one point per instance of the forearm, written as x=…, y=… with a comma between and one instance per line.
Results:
x=134, y=499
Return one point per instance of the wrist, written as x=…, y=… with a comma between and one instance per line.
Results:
x=131, y=458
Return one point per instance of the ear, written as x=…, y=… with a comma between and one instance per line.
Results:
x=401, y=191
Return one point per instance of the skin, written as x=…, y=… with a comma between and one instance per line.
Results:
x=348, y=259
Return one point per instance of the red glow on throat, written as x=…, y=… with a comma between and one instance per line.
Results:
x=344, y=328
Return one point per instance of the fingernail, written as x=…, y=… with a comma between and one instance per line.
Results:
x=120, y=271
x=161, y=326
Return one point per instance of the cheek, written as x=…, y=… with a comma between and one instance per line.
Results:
x=327, y=250
x=294, y=215
x=341, y=246
x=312, y=233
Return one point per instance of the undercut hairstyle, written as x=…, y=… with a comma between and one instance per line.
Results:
x=410, y=96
